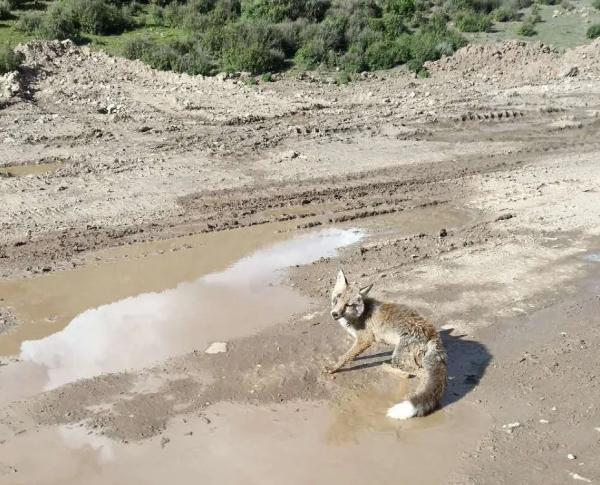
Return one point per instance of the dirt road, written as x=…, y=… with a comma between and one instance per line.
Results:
x=148, y=217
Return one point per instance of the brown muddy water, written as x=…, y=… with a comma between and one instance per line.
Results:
x=32, y=169
x=142, y=304
x=141, y=330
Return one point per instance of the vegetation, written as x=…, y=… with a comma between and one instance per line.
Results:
x=527, y=29
x=596, y=4
x=507, y=13
x=266, y=36
x=9, y=59
x=593, y=32
x=5, y=8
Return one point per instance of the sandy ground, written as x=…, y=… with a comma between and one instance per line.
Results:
x=473, y=195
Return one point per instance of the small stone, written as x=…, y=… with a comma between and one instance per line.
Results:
x=443, y=233
x=164, y=441
x=544, y=421
x=511, y=426
x=576, y=476
x=216, y=348
x=571, y=456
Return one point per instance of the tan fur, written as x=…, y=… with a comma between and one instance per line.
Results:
x=417, y=344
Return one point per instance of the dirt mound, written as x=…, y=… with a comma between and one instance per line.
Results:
x=512, y=61
x=10, y=85
x=517, y=62
x=585, y=58
x=40, y=53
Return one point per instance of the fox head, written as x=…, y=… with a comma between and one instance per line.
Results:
x=347, y=301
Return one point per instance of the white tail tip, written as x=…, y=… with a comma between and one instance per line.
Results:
x=403, y=410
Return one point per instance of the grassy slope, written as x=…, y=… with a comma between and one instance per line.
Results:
x=564, y=31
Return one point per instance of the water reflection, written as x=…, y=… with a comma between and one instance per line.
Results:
x=139, y=331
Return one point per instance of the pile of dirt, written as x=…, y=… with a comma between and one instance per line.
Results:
x=510, y=61
x=585, y=59
x=10, y=85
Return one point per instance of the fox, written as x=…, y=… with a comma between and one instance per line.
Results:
x=417, y=343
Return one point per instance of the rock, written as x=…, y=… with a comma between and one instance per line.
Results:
x=571, y=71
x=443, y=233
x=544, y=421
x=571, y=456
x=216, y=348
x=576, y=476
x=164, y=441
x=511, y=426
x=505, y=217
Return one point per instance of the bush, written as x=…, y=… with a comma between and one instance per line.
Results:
x=30, y=22
x=386, y=54
x=5, y=8
x=100, y=17
x=190, y=58
x=506, y=13
x=58, y=23
x=471, y=21
x=253, y=47
x=402, y=8
x=527, y=29
x=596, y=4
x=431, y=42
x=276, y=11
x=593, y=32
x=9, y=59
x=567, y=5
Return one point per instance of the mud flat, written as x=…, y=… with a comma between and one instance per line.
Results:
x=164, y=231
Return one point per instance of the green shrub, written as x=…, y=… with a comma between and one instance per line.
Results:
x=5, y=8
x=343, y=78
x=253, y=47
x=471, y=21
x=402, y=8
x=59, y=23
x=276, y=11
x=30, y=22
x=9, y=59
x=352, y=61
x=195, y=61
x=593, y=32
x=527, y=29
x=534, y=16
x=386, y=54
x=485, y=6
x=185, y=57
x=567, y=5
x=254, y=58
x=433, y=41
x=506, y=13
x=100, y=17
x=596, y=4
x=155, y=15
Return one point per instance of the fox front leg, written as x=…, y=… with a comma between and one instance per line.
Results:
x=358, y=347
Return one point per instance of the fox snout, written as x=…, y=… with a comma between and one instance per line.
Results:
x=336, y=315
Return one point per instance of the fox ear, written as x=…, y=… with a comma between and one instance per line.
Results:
x=341, y=281
x=365, y=290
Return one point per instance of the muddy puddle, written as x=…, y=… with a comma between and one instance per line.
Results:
x=25, y=170
x=142, y=304
x=141, y=330
x=297, y=443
